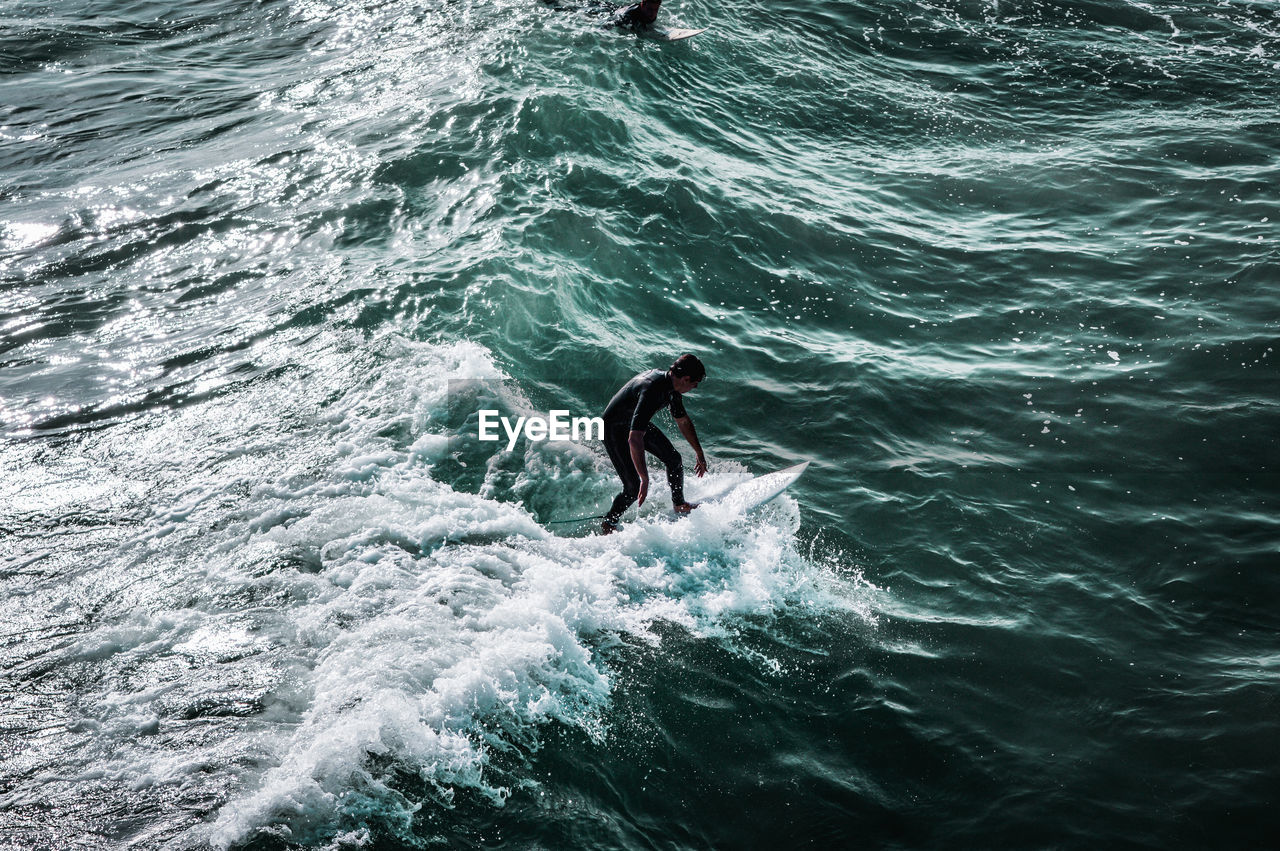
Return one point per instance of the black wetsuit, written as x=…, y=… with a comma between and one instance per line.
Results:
x=631, y=409
x=627, y=17
x=631, y=17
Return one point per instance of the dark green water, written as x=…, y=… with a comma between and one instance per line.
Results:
x=1001, y=271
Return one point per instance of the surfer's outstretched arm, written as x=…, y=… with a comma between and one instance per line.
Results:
x=686, y=428
x=635, y=442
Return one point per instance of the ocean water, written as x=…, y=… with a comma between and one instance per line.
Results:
x=1004, y=272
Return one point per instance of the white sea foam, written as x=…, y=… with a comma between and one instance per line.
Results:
x=430, y=661
x=341, y=624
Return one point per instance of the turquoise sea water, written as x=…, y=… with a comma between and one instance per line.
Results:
x=1003, y=271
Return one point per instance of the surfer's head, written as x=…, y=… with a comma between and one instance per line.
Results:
x=686, y=373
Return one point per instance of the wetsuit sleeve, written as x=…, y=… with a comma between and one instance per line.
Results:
x=677, y=406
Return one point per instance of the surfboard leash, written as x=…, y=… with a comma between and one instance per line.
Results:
x=576, y=519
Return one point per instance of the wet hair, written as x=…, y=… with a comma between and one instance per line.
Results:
x=689, y=367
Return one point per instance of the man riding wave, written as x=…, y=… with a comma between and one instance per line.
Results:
x=629, y=434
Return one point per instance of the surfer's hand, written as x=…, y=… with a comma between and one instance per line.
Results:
x=644, y=491
x=700, y=468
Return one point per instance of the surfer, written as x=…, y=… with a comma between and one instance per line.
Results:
x=628, y=434
x=638, y=15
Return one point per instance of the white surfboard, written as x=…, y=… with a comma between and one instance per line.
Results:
x=756, y=492
x=739, y=498
x=677, y=34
